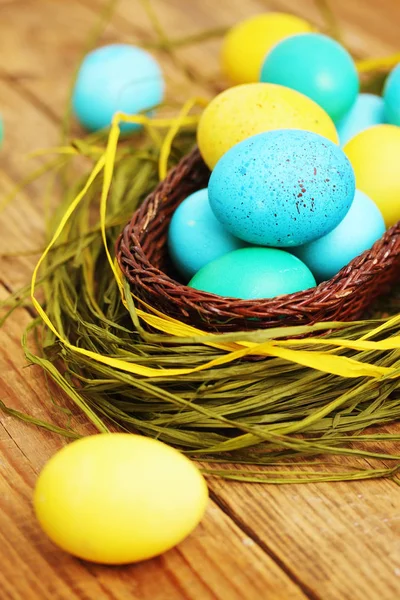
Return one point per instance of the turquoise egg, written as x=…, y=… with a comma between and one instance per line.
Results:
x=282, y=188
x=367, y=111
x=113, y=78
x=316, y=66
x=391, y=95
x=251, y=273
x=360, y=229
x=196, y=237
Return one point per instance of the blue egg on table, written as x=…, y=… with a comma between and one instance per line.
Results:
x=113, y=78
x=391, y=95
x=360, y=229
x=317, y=66
x=196, y=237
x=251, y=273
x=367, y=111
x=282, y=188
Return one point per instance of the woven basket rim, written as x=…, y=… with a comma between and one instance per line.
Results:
x=135, y=260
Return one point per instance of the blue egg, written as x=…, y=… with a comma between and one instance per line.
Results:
x=360, y=229
x=196, y=237
x=391, y=95
x=318, y=67
x=113, y=78
x=367, y=111
x=250, y=273
x=282, y=188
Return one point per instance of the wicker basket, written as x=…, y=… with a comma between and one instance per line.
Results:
x=142, y=255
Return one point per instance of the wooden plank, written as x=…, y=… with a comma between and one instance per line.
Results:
x=36, y=65
x=339, y=540
x=200, y=568
x=368, y=29
x=27, y=129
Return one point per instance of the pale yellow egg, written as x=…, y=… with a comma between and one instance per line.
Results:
x=246, y=44
x=245, y=110
x=374, y=155
x=119, y=498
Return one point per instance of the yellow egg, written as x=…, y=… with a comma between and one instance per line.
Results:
x=374, y=154
x=245, y=110
x=119, y=498
x=247, y=43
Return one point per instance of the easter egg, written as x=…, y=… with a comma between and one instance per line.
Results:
x=317, y=66
x=245, y=45
x=196, y=237
x=119, y=498
x=391, y=94
x=360, y=229
x=113, y=78
x=367, y=111
x=282, y=188
x=374, y=154
x=250, y=273
x=248, y=109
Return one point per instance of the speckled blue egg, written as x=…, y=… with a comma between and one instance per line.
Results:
x=367, y=111
x=251, y=273
x=391, y=94
x=196, y=237
x=318, y=67
x=282, y=188
x=360, y=229
x=113, y=78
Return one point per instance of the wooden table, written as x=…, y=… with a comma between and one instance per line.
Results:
x=322, y=541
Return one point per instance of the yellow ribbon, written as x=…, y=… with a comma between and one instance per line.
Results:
x=323, y=361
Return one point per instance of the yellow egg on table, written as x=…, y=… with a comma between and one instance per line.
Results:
x=245, y=110
x=374, y=155
x=119, y=498
x=246, y=44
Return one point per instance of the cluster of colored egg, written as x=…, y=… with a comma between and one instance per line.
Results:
x=304, y=167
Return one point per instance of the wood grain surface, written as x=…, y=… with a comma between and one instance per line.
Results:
x=321, y=541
